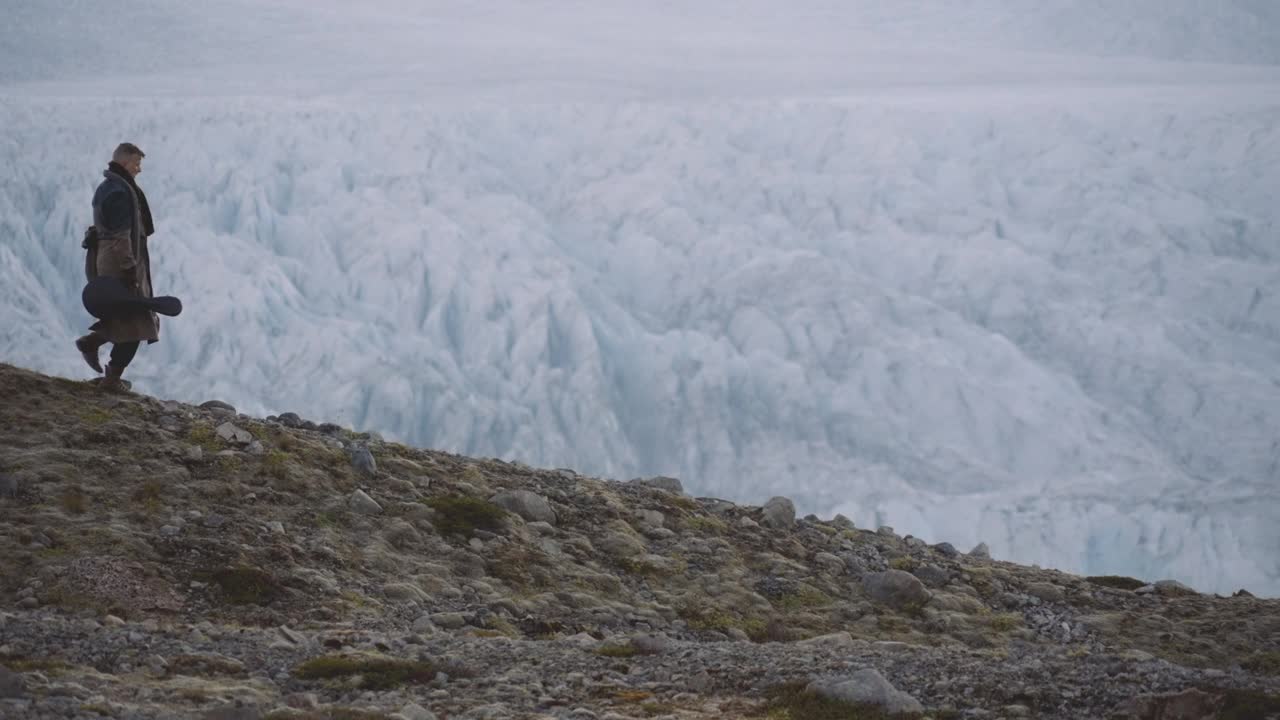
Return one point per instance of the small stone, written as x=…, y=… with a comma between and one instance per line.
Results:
x=1047, y=592
x=403, y=592
x=1146, y=590
x=981, y=551
x=867, y=687
x=424, y=625
x=779, y=513
x=414, y=711
x=748, y=523
x=169, y=530
x=28, y=603
x=112, y=621
x=361, y=502
x=214, y=520
x=219, y=408
x=256, y=448
x=1242, y=593
x=656, y=644
x=896, y=588
x=12, y=685
x=932, y=575
x=193, y=453
x=528, y=505
x=233, y=434
x=886, y=531
x=449, y=620
x=662, y=482
x=363, y=462
x=842, y=522
x=8, y=486
x=892, y=646
x=838, y=639
x=157, y=664
x=1137, y=655
x=276, y=527
x=290, y=420
x=947, y=549
x=830, y=564
x=1173, y=588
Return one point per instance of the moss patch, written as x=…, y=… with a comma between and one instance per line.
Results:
x=1004, y=622
x=1116, y=581
x=792, y=701
x=462, y=515
x=73, y=500
x=276, y=465
x=617, y=651
x=804, y=598
x=244, y=585
x=369, y=672
x=204, y=435
x=1263, y=663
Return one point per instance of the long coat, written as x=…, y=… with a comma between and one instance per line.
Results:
x=121, y=250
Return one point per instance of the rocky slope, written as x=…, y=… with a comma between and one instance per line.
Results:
x=169, y=561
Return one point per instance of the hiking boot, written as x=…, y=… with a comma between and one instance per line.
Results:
x=113, y=381
x=88, y=347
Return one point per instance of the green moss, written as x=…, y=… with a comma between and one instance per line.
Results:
x=28, y=664
x=462, y=515
x=204, y=435
x=1116, y=581
x=805, y=597
x=372, y=672
x=276, y=464
x=518, y=566
x=714, y=619
x=472, y=475
x=1247, y=705
x=707, y=525
x=74, y=501
x=792, y=701
x=244, y=585
x=1263, y=663
x=906, y=563
x=1004, y=622
x=94, y=416
x=148, y=495
x=617, y=651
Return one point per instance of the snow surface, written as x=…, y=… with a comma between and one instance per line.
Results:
x=1008, y=273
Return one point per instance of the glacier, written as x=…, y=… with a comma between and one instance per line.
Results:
x=997, y=274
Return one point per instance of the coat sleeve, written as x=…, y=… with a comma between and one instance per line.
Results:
x=117, y=212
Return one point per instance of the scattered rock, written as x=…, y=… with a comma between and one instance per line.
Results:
x=981, y=551
x=219, y=408
x=1173, y=588
x=867, y=687
x=230, y=433
x=662, y=482
x=779, y=513
x=361, y=502
x=290, y=420
x=896, y=589
x=363, y=462
x=11, y=684
x=528, y=505
x=947, y=549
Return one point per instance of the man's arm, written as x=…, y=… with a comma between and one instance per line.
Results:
x=117, y=219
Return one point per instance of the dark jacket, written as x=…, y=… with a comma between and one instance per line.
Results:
x=118, y=247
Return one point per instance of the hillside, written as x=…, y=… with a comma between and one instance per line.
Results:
x=167, y=561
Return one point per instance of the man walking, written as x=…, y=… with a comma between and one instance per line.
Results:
x=117, y=247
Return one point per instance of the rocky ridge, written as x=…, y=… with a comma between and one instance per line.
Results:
x=171, y=561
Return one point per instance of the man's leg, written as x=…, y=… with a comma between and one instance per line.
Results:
x=121, y=355
x=88, y=346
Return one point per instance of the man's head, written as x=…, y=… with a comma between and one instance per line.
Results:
x=130, y=157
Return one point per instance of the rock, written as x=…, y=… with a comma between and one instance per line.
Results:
x=234, y=435
x=886, y=531
x=779, y=513
x=842, y=522
x=1137, y=655
x=947, y=549
x=28, y=603
x=8, y=486
x=1242, y=593
x=360, y=502
x=748, y=523
x=414, y=711
x=932, y=575
x=1047, y=592
x=867, y=687
x=837, y=639
x=233, y=712
x=662, y=482
x=193, y=453
x=1191, y=704
x=276, y=527
x=542, y=528
x=1173, y=588
x=329, y=428
x=256, y=448
x=621, y=544
x=830, y=564
x=170, y=530
x=981, y=551
x=424, y=625
x=290, y=420
x=528, y=505
x=403, y=592
x=650, y=519
x=896, y=589
x=293, y=636
x=363, y=462
x=219, y=408
x=656, y=644
x=892, y=646
x=1145, y=590
x=112, y=621
x=449, y=620
x=11, y=684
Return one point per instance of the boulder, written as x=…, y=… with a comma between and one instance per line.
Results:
x=867, y=687
x=528, y=505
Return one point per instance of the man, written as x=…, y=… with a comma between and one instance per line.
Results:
x=117, y=247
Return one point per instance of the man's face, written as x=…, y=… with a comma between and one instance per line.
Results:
x=133, y=164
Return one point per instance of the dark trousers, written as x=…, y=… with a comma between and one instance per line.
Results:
x=122, y=354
